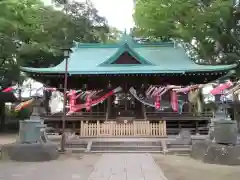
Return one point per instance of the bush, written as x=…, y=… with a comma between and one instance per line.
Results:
x=20, y=115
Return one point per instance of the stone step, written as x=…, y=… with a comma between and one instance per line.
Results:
x=124, y=151
x=132, y=148
x=126, y=146
x=178, y=146
x=179, y=151
x=76, y=145
x=76, y=150
x=125, y=143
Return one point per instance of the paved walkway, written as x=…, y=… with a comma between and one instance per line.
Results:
x=86, y=167
x=126, y=167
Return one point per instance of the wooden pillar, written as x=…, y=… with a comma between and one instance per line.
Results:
x=84, y=88
x=125, y=102
x=143, y=107
x=109, y=103
x=144, y=111
x=109, y=108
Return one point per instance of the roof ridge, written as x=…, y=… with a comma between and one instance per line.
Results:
x=95, y=45
x=126, y=48
x=125, y=39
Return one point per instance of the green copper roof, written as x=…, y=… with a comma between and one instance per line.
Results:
x=152, y=58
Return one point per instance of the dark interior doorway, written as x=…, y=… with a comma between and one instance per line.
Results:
x=125, y=105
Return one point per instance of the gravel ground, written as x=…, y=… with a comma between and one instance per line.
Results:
x=7, y=138
x=69, y=166
x=185, y=168
x=80, y=166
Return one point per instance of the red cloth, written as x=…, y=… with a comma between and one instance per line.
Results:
x=91, y=102
x=72, y=99
x=88, y=103
x=157, y=102
x=9, y=89
x=174, y=101
x=219, y=89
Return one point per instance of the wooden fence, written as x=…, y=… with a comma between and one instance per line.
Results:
x=114, y=129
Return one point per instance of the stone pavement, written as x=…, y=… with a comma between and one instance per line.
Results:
x=86, y=167
x=127, y=167
x=75, y=167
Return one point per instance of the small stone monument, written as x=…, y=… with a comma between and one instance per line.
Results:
x=32, y=145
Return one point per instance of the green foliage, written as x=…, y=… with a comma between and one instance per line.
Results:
x=20, y=115
x=114, y=35
x=209, y=22
x=32, y=34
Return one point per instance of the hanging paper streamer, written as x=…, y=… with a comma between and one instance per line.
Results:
x=182, y=90
x=134, y=94
x=186, y=89
x=233, y=90
x=94, y=102
x=72, y=99
x=56, y=102
x=23, y=105
x=150, y=90
x=219, y=89
x=50, y=89
x=174, y=101
x=10, y=89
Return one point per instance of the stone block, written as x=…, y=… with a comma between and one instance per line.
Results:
x=35, y=152
x=184, y=138
x=199, y=149
x=222, y=154
x=225, y=132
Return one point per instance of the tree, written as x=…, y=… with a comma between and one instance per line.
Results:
x=208, y=23
x=32, y=34
x=114, y=35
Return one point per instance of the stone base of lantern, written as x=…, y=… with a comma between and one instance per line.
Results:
x=212, y=153
x=34, y=152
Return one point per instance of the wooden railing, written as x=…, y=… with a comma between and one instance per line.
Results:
x=76, y=116
x=147, y=115
x=114, y=129
x=177, y=116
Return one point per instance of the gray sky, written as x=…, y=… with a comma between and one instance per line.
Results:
x=117, y=12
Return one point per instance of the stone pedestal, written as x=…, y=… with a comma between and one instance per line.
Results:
x=222, y=154
x=213, y=153
x=221, y=146
x=32, y=144
x=30, y=152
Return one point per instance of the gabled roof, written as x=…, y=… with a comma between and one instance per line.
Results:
x=123, y=49
x=151, y=58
